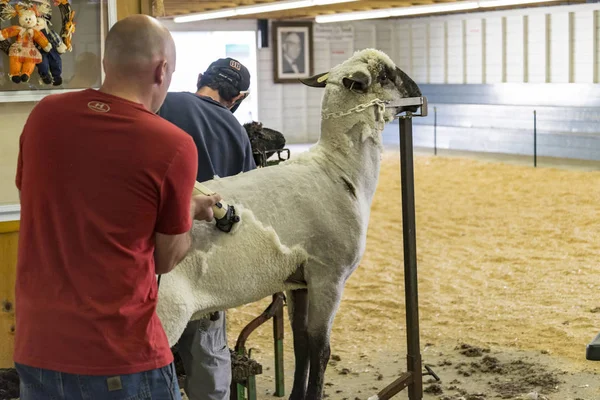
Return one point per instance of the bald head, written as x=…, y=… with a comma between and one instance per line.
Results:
x=140, y=52
x=137, y=40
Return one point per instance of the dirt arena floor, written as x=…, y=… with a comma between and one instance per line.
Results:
x=509, y=297
x=509, y=294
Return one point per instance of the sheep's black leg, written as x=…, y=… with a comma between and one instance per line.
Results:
x=319, y=357
x=298, y=312
x=323, y=301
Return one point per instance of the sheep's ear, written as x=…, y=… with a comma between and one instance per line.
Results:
x=358, y=81
x=319, y=80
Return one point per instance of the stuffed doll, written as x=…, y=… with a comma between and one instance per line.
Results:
x=51, y=61
x=5, y=13
x=22, y=54
x=68, y=22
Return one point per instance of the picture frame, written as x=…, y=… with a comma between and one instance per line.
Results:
x=292, y=51
x=81, y=65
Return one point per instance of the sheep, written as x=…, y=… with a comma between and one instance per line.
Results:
x=303, y=222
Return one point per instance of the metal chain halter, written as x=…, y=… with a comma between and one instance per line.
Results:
x=359, y=108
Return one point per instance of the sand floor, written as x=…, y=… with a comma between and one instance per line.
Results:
x=507, y=256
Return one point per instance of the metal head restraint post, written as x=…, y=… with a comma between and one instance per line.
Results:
x=413, y=378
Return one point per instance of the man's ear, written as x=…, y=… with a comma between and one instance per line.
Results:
x=160, y=72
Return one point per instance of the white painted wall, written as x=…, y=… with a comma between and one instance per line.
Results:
x=538, y=54
x=495, y=49
x=531, y=45
x=438, y=60
x=475, y=50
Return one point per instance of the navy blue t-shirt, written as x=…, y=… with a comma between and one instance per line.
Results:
x=222, y=143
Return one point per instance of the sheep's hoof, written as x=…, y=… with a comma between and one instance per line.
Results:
x=24, y=78
x=58, y=81
x=16, y=79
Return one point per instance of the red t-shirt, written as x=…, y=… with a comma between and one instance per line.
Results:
x=98, y=175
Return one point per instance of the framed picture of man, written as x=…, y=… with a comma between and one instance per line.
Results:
x=292, y=51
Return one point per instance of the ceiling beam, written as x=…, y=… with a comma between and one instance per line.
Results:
x=180, y=7
x=311, y=12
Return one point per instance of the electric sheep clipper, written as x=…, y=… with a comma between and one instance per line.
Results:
x=224, y=213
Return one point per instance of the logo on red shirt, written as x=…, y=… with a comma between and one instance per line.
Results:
x=98, y=106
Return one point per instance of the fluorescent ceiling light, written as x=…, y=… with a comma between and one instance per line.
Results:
x=416, y=10
x=434, y=8
x=274, y=6
x=256, y=9
x=205, y=16
x=326, y=2
x=352, y=16
x=502, y=3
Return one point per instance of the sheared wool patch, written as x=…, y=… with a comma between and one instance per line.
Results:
x=226, y=273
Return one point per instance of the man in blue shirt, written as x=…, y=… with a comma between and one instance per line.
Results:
x=223, y=150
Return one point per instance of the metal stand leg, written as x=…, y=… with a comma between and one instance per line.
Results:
x=415, y=390
x=278, y=343
x=247, y=384
x=413, y=378
x=252, y=387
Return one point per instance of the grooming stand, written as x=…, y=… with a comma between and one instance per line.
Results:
x=243, y=383
x=413, y=378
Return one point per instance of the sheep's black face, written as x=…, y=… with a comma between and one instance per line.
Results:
x=401, y=82
x=367, y=76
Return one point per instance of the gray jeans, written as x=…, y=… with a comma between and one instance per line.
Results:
x=206, y=359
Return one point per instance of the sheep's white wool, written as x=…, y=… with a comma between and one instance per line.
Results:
x=226, y=272
x=298, y=213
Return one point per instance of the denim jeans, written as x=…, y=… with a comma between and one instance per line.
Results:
x=43, y=384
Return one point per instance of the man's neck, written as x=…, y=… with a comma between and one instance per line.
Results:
x=125, y=92
x=213, y=94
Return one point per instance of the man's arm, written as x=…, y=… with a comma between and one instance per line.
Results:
x=169, y=250
x=176, y=209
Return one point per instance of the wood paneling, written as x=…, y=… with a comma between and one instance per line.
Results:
x=126, y=8
x=9, y=234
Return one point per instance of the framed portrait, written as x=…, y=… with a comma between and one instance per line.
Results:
x=292, y=51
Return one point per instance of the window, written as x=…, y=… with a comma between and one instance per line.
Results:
x=196, y=50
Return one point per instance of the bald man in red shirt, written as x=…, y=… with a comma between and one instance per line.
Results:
x=106, y=204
